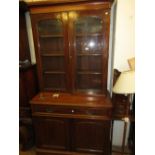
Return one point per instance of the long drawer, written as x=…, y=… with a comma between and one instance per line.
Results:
x=51, y=109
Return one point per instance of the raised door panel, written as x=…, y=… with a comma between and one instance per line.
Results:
x=50, y=37
x=52, y=133
x=91, y=136
x=90, y=49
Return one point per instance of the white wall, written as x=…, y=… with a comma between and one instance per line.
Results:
x=123, y=50
x=124, y=37
x=30, y=37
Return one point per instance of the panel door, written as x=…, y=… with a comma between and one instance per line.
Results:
x=89, y=38
x=52, y=133
x=50, y=38
x=91, y=136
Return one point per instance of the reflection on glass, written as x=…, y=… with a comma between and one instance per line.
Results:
x=89, y=44
x=73, y=15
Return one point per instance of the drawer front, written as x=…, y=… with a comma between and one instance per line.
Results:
x=71, y=110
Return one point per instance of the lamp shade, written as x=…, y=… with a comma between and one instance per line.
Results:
x=125, y=83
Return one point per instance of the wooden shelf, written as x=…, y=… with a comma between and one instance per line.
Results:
x=54, y=89
x=89, y=54
x=89, y=73
x=51, y=35
x=54, y=72
x=89, y=34
x=90, y=91
x=53, y=55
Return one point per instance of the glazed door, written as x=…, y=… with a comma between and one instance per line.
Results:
x=52, y=133
x=89, y=40
x=50, y=38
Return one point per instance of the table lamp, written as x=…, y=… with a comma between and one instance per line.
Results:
x=125, y=84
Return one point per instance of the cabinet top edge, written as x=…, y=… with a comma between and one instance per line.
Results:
x=83, y=6
x=55, y=2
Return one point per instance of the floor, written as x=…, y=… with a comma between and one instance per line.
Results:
x=32, y=152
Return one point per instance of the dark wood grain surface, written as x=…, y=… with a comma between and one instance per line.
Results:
x=72, y=100
x=74, y=116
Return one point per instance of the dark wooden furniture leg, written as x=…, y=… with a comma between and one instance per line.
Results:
x=124, y=137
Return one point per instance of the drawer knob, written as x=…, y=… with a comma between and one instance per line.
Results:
x=73, y=111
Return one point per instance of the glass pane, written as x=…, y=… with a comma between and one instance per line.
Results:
x=53, y=63
x=86, y=81
x=89, y=44
x=89, y=49
x=89, y=24
x=52, y=27
x=51, y=46
x=54, y=81
x=89, y=63
x=51, y=36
